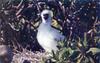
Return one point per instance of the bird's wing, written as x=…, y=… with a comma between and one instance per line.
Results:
x=57, y=35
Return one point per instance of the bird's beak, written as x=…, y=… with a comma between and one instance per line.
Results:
x=46, y=16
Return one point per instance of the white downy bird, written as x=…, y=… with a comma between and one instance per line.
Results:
x=48, y=36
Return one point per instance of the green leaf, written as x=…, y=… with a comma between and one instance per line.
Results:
x=63, y=54
x=94, y=50
x=75, y=55
x=70, y=50
x=56, y=25
x=55, y=55
x=61, y=44
x=85, y=40
x=80, y=59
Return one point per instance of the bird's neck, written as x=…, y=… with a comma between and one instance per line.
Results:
x=47, y=22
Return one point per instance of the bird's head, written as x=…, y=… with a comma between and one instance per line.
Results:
x=46, y=16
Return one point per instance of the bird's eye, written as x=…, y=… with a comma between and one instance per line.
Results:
x=46, y=16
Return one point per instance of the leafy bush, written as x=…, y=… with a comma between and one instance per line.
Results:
x=79, y=21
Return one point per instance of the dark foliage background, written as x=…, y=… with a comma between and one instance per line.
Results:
x=19, y=20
